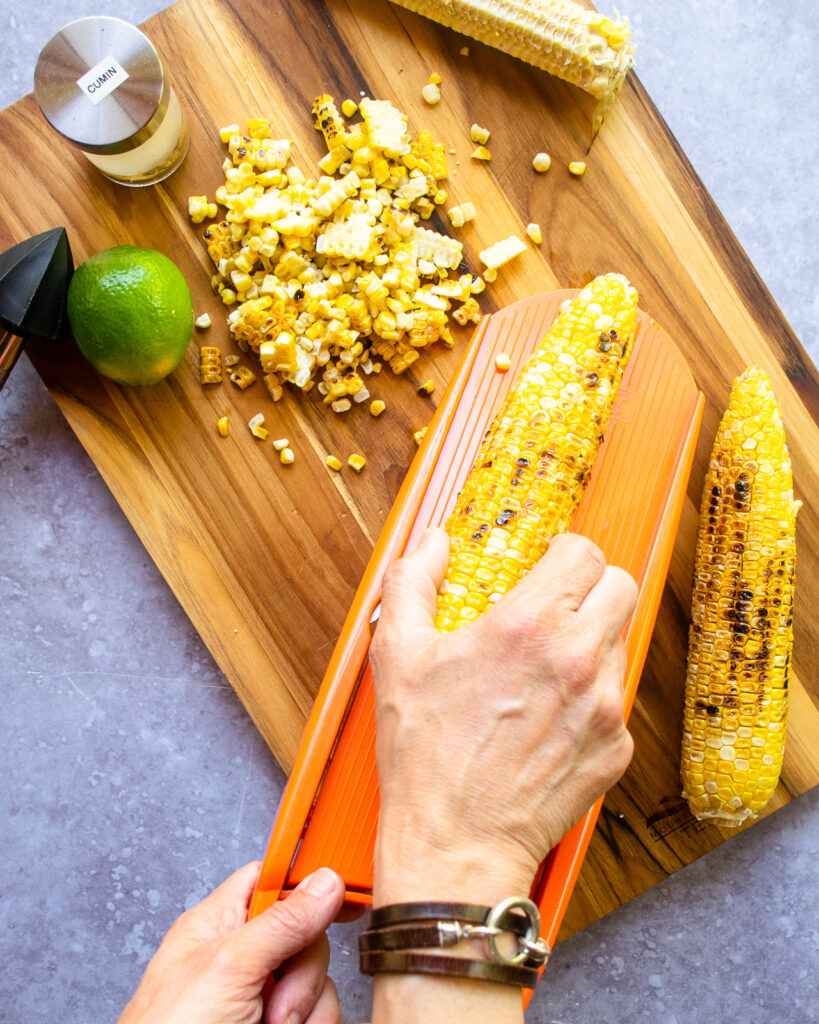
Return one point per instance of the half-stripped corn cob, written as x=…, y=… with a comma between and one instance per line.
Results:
x=561, y=37
x=736, y=690
x=536, y=458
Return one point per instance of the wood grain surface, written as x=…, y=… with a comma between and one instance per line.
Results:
x=265, y=558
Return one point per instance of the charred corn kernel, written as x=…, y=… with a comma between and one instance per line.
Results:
x=431, y=94
x=243, y=377
x=577, y=168
x=377, y=407
x=222, y=426
x=481, y=153
x=479, y=135
x=435, y=78
x=741, y=634
x=426, y=388
x=210, y=365
x=580, y=46
x=328, y=121
x=356, y=462
x=542, y=162
x=257, y=428
x=334, y=463
x=534, y=232
x=280, y=444
x=502, y=362
x=419, y=435
x=539, y=449
x=202, y=321
x=501, y=253
x=287, y=457
x=348, y=108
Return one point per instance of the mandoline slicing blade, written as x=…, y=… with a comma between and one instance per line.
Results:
x=631, y=509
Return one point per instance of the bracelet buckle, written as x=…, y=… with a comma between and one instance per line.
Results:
x=533, y=949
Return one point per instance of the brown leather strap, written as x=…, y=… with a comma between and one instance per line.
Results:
x=395, y=962
x=406, y=936
x=466, y=913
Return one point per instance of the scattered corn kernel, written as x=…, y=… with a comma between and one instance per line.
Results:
x=577, y=168
x=377, y=407
x=502, y=362
x=356, y=462
x=202, y=321
x=334, y=463
x=479, y=135
x=243, y=377
x=464, y=51
x=232, y=359
x=348, y=108
x=481, y=153
x=210, y=365
x=534, y=232
x=256, y=424
x=435, y=78
x=281, y=444
x=426, y=388
x=341, y=405
x=431, y=94
x=286, y=456
x=222, y=425
x=418, y=436
x=542, y=162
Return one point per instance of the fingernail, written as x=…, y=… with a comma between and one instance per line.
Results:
x=320, y=883
x=294, y=1017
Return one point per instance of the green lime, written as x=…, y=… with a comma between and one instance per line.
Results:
x=131, y=313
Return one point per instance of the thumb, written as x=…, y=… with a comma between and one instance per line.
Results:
x=410, y=587
x=290, y=925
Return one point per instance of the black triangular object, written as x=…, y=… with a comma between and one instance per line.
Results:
x=34, y=277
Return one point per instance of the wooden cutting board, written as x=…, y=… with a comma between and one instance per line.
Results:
x=265, y=558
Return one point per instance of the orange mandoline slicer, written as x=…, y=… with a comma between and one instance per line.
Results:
x=631, y=509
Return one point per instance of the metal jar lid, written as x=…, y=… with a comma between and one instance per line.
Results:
x=100, y=83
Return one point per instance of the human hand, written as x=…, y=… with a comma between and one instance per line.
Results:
x=493, y=740
x=214, y=967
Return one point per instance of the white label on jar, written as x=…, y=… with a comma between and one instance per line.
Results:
x=102, y=79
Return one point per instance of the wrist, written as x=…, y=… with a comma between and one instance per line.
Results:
x=410, y=866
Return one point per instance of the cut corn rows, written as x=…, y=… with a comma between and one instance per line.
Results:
x=329, y=276
x=736, y=691
x=533, y=465
x=561, y=37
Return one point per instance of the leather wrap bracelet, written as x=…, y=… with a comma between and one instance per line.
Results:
x=397, y=936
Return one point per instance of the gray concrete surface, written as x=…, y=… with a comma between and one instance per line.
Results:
x=131, y=779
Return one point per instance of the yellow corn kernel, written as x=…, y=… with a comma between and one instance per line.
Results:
x=280, y=444
x=534, y=232
x=542, y=162
x=210, y=365
x=481, y=153
x=479, y=135
x=258, y=128
x=348, y=108
x=287, y=456
x=222, y=426
x=431, y=94
x=577, y=168
x=328, y=121
x=356, y=462
x=334, y=463
x=202, y=322
x=435, y=78
x=226, y=134
x=256, y=425
x=242, y=377
x=741, y=634
x=419, y=435
x=426, y=388
x=377, y=407
x=535, y=455
x=502, y=362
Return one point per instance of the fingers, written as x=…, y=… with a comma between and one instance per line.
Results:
x=223, y=910
x=299, y=984
x=290, y=925
x=326, y=1010
x=608, y=604
x=571, y=566
x=410, y=587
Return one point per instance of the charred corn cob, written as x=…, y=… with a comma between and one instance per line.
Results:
x=561, y=37
x=533, y=465
x=736, y=691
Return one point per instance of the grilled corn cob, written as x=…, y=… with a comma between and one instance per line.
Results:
x=580, y=46
x=533, y=465
x=736, y=691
